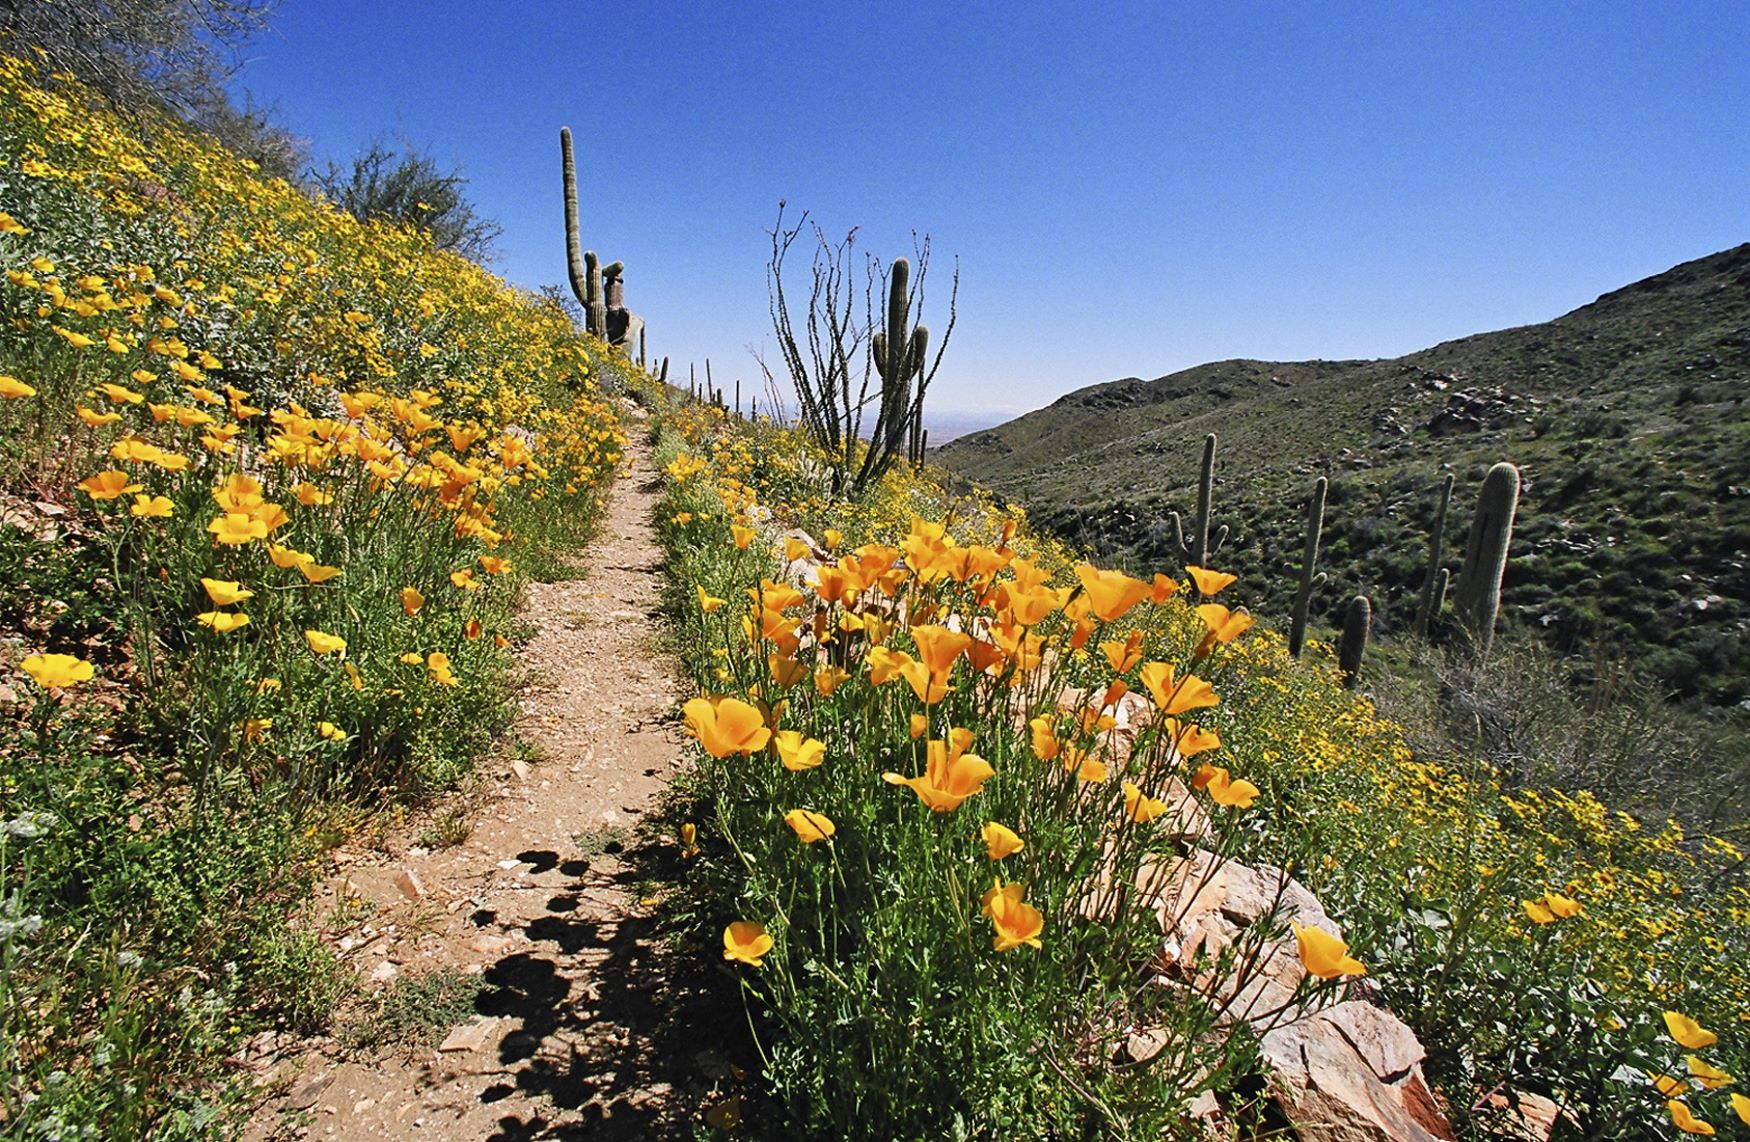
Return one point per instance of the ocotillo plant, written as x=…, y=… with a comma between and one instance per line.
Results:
x=1310, y=577
x=1429, y=611
x=1353, y=645
x=1197, y=547
x=1477, y=598
x=821, y=348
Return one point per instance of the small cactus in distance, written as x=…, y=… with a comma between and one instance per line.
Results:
x=1357, y=621
x=1309, y=577
x=1477, y=597
x=1429, y=612
x=1197, y=548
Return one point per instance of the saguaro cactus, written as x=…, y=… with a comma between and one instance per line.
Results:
x=1477, y=598
x=899, y=358
x=1429, y=611
x=1315, y=529
x=598, y=288
x=1197, y=547
x=1357, y=621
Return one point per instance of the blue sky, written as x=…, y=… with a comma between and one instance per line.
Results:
x=1130, y=189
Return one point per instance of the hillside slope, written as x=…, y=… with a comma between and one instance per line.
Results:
x=1626, y=417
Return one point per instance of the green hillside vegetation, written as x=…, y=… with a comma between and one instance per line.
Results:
x=1625, y=416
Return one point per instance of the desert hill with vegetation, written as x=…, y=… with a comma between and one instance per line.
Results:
x=1625, y=416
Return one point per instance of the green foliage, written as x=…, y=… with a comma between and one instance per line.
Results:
x=141, y=932
x=216, y=409
x=413, y=1011
x=1436, y=843
x=884, y=1009
x=175, y=52
x=400, y=185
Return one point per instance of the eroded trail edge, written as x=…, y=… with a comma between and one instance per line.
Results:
x=575, y=1028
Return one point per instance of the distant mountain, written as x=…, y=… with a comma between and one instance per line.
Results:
x=955, y=423
x=1626, y=417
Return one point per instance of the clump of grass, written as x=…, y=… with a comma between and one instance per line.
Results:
x=413, y=1011
x=606, y=839
x=449, y=828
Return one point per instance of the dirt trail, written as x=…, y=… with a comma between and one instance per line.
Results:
x=576, y=1035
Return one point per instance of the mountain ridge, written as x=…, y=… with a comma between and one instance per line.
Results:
x=1625, y=415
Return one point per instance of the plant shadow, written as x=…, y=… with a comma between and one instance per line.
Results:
x=622, y=1034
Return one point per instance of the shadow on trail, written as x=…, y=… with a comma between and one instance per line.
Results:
x=604, y=1019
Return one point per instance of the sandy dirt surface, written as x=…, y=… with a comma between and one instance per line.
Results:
x=581, y=1029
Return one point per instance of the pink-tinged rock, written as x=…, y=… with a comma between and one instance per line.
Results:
x=1330, y=1093
x=410, y=885
x=1523, y=1117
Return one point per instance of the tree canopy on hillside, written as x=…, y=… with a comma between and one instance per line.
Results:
x=401, y=184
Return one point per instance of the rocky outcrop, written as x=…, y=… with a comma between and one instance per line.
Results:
x=1340, y=1069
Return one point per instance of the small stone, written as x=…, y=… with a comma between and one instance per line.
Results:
x=305, y=1096
x=469, y=1036
x=520, y=768
x=384, y=972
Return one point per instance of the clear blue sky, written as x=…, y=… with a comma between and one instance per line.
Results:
x=1131, y=189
